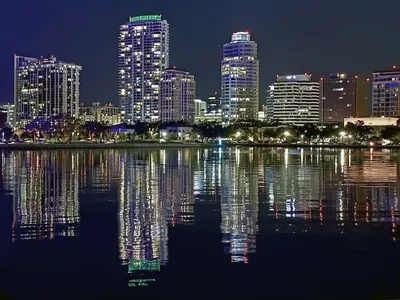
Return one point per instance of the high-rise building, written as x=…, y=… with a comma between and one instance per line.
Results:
x=295, y=99
x=177, y=96
x=45, y=87
x=385, y=93
x=143, y=54
x=9, y=112
x=200, y=109
x=269, y=107
x=209, y=110
x=214, y=104
x=343, y=96
x=363, y=97
x=240, y=78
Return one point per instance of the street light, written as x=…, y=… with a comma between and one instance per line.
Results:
x=342, y=135
x=286, y=133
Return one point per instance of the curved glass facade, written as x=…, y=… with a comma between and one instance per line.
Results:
x=240, y=78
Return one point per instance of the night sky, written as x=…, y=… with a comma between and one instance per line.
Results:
x=316, y=36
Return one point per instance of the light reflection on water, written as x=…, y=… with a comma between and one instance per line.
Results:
x=288, y=191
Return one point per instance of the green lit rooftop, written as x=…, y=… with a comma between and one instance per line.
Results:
x=145, y=18
x=143, y=265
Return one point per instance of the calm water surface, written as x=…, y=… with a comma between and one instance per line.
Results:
x=195, y=223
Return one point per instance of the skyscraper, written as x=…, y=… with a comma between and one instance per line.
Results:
x=343, y=96
x=269, y=107
x=177, y=96
x=385, y=93
x=240, y=78
x=143, y=54
x=9, y=112
x=295, y=99
x=200, y=109
x=45, y=87
x=213, y=104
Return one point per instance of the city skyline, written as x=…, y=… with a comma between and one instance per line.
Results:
x=295, y=53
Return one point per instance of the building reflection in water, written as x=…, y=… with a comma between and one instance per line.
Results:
x=239, y=203
x=45, y=187
x=291, y=191
x=155, y=190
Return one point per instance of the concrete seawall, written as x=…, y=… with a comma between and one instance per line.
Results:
x=79, y=146
x=144, y=145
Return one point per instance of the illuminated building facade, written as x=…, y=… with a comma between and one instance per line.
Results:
x=210, y=109
x=143, y=54
x=240, y=78
x=343, y=96
x=385, y=93
x=177, y=96
x=107, y=114
x=8, y=111
x=44, y=88
x=269, y=107
x=214, y=104
x=200, y=108
x=295, y=99
x=374, y=122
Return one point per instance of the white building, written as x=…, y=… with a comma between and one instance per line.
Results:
x=180, y=133
x=143, y=54
x=295, y=99
x=240, y=78
x=261, y=116
x=45, y=87
x=385, y=93
x=373, y=121
x=177, y=96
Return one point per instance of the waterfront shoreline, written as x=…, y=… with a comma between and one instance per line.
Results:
x=149, y=145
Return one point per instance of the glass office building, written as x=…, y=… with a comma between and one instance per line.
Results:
x=240, y=78
x=385, y=93
x=143, y=54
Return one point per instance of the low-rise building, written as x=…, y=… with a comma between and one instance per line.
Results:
x=373, y=121
x=180, y=133
x=209, y=118
x=107, y=114
x=261, y=115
